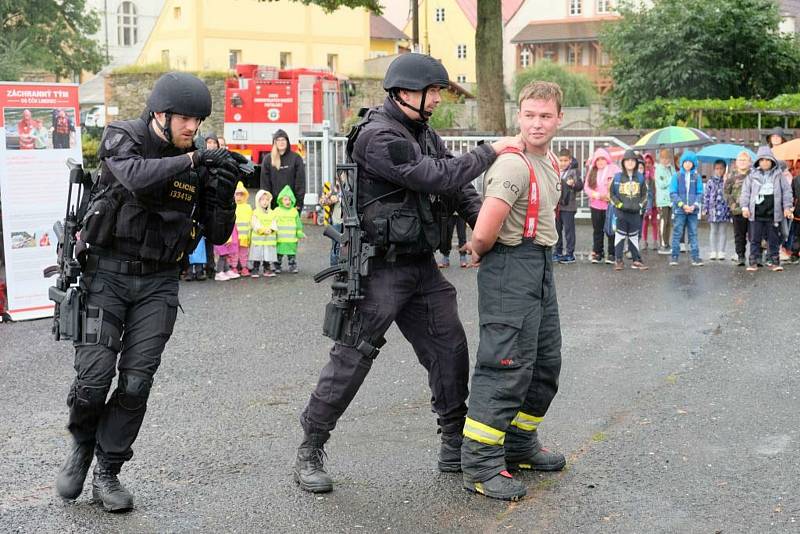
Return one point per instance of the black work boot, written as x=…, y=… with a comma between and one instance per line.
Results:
x=525, y=451
x=69, y=483
x=450, y=449
x=107, y=488
x=501, y=486
x=309, y=471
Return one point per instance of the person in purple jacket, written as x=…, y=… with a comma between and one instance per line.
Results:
x=716, y=211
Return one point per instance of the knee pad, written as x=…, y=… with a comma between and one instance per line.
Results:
x=133, y=390
x=87, y=396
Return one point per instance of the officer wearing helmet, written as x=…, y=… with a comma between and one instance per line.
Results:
x=154, y=197
x=409, y=185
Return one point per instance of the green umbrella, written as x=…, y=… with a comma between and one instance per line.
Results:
x=673, y=137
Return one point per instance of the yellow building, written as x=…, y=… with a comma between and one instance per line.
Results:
x=199, y=35
x=447, y=32
x=384, y=38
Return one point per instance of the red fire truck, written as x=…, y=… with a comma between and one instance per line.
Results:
x=261, y=100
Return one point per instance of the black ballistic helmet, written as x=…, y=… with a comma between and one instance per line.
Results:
x=180, y=93
x=415, y=72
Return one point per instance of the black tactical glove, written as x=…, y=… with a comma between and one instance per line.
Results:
x=221, y=185
x=216, y=158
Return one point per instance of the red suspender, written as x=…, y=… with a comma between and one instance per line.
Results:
x=532, y=216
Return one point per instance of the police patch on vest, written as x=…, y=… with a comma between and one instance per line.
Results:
x=400, y=151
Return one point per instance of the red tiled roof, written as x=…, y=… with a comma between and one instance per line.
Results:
x=554, y=32
x=380, y=28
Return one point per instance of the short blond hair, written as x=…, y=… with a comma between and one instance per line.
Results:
x=541, y=90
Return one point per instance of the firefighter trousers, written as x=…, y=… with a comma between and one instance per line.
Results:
x=518, y=358
x=412, y=293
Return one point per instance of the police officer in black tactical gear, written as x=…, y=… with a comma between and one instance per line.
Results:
x=409, y=184
x=153, y=199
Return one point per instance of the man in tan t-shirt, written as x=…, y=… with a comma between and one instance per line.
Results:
x=519, y=354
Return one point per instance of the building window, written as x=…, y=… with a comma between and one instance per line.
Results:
x=575, y=7
x=461, y=78
x=461, y=51
x=286, y=60
x=127, y=30
x=333, y=62
x=176, y=13
x=439, y=14
x=234, y=58
x=603, y=6
x=525, y=58
x=165, y=58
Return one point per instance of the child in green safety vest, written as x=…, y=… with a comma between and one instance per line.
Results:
x=290, y=230
x=264, y=236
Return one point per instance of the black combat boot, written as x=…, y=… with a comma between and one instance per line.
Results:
x=309, y=471
x=450, y=449
x=525, y=451
x=501, y=486
x=107, y=488
x=69, y=483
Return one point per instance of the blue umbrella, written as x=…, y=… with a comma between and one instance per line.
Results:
x=723, y=151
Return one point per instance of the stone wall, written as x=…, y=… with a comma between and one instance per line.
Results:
x=128, y=92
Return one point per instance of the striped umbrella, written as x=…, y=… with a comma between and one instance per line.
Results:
x=673, y=137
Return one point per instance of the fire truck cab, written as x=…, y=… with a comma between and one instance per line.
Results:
x=261, y=100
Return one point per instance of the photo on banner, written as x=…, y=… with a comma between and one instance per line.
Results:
x=40, y=132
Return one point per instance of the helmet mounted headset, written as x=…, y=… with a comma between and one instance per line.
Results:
x=415, y=72
x=178, y=93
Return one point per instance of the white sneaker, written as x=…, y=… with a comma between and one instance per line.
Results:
x=232, y=275
x=720, y=255
x=712, y=256
x=221, y=277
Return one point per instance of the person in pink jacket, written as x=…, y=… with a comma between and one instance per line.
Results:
x=600, y=173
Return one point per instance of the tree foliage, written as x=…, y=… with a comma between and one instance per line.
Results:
x=700, y=49
x=333, y=5
x=578, y=89
x=710, y=113
x=52, y=35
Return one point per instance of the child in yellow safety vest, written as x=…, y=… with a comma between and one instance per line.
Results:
x=244, y=213
x=264, y=236
x=290, y=229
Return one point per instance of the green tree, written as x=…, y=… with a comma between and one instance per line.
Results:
x=52, y=35
x=578, y=89
x=699, y=49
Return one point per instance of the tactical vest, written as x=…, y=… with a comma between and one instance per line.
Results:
x=396, y=219
x=156, y=226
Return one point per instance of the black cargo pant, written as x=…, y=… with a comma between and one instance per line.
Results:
x=139, y=313
x=518, y=359
x=412, y=293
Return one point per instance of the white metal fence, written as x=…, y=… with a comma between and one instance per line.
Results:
x=323, y=153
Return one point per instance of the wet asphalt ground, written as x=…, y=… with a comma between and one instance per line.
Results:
x=678, y=412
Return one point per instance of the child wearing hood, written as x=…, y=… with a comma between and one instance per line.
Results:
x=650, y=218
x=716, y=210
x=598, y=179
x=665, y=168
x=244, y=214
x=686, y=192
x=766, y=202
x=628, y=194
x=732, y=192
x=264, y=236
x=290, y=230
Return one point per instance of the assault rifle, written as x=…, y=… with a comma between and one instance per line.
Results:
x=66, y=294
x=353, y=264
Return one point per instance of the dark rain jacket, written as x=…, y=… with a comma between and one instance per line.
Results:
x=291, y=173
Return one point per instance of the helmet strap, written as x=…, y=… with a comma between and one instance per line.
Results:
x=423, y=115
x=166, y=129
